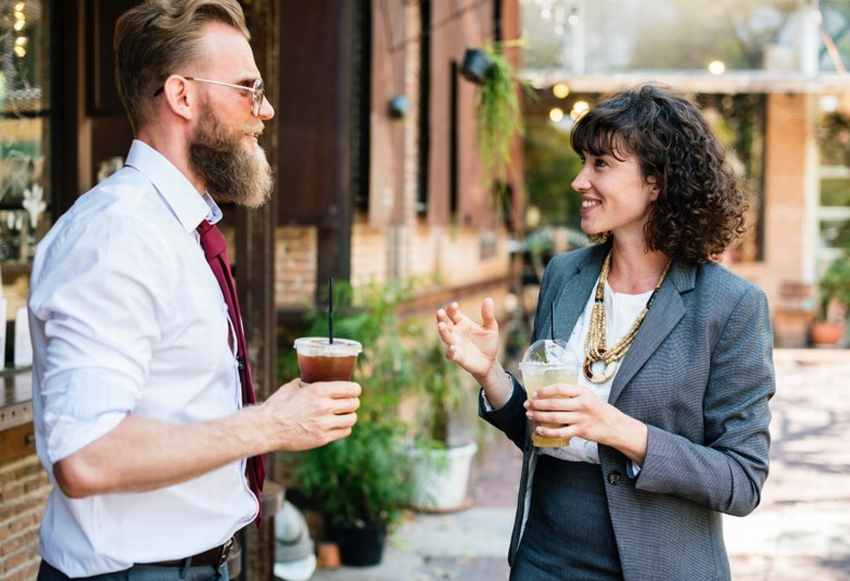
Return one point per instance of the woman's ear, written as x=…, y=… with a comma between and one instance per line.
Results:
x=654, y=188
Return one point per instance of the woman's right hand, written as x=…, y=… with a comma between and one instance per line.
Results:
x=471, y=345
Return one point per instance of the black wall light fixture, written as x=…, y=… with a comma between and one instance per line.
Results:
x=398, y=107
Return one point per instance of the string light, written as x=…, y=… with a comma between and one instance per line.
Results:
x=20, y=48
x=561, y=90
x=716, y=67
x=556, y=114
x=579, y=109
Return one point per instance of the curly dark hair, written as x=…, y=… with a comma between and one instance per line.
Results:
x=700, y=209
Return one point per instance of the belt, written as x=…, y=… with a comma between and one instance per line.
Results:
x=215, y=557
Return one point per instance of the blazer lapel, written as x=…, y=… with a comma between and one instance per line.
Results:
x=666, y=312
x=570, y=302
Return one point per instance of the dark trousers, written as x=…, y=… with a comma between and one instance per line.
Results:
x=568, y=534
x=47, y=572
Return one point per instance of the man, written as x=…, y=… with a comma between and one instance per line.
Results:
x=139, y=377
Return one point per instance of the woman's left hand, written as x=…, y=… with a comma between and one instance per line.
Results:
x=581, y=413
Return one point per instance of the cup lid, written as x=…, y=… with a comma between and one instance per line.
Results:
x=322, y=347
x=549, y=353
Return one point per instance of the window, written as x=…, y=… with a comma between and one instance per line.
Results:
x=424, y=108
x=24, y=126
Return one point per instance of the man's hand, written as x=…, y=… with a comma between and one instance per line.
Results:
x=302, y=416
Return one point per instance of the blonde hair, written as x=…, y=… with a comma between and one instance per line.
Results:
x=152, y=40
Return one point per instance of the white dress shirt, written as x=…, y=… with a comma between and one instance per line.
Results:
x=127, y=318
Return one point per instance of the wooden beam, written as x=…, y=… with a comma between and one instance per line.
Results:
x=255, y=260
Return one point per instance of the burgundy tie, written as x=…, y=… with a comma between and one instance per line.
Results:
x=215, y=249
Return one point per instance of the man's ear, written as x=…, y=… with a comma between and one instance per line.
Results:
x=179, y=96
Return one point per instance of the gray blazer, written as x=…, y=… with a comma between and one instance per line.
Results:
x=699, y=374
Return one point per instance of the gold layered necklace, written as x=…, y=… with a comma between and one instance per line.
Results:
x=595, y=345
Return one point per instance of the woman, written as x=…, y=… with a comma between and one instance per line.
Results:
x=669, y=420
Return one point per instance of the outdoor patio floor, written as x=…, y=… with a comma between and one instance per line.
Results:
x=801, y=531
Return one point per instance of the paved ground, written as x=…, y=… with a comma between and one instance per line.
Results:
x=801, y=531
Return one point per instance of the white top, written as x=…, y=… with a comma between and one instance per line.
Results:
x=621, y=310
x=127, y=318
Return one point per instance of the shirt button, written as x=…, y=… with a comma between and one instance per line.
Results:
x=614, y=478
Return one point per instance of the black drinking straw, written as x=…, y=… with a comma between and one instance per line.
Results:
x=552, y=320
x=331, y=311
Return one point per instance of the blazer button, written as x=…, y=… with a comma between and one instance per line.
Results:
x=614, y=478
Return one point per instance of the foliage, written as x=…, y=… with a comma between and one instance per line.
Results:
x=439, y=383
x=361, y=480
x=550, y=166
x=835, y=282
x=385, y=368
x=498, y=113
x=834, y=138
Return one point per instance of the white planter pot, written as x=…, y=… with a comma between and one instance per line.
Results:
x=440, y=477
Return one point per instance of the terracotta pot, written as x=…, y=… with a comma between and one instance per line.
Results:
x=826, y=333
x=329, y=556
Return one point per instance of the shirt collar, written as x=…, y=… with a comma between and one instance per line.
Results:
x=214, y=214
x=189, y=206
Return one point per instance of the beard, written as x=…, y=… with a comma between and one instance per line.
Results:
x=232, y=172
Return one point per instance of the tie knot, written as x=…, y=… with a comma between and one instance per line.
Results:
x=212, y=240
x=204, y=226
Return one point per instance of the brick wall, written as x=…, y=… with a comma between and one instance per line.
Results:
x=369, y=258
x=295, y=271
x=23, y=491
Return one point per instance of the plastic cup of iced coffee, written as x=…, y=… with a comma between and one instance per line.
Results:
x=546, y=363
x=321, y=360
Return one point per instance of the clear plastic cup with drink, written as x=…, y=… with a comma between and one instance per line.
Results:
x=319, y=359
x=548, y=362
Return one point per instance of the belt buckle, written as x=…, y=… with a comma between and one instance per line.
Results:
x=225, y=552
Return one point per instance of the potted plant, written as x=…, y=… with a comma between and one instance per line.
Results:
x=834, y=285
x=443, y=452
x=360, y=484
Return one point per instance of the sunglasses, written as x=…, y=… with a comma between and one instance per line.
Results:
x=257, y=90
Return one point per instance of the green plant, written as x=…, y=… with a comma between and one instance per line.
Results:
x=550, y=164
x=499, y=116
x=835, y=283
x=439, y=383
x=362, y=480
x=368, y=315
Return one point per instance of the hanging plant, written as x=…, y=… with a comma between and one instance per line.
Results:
x=499, y=115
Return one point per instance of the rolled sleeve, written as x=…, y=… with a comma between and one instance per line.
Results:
x=82, y=405
x=96, y=312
